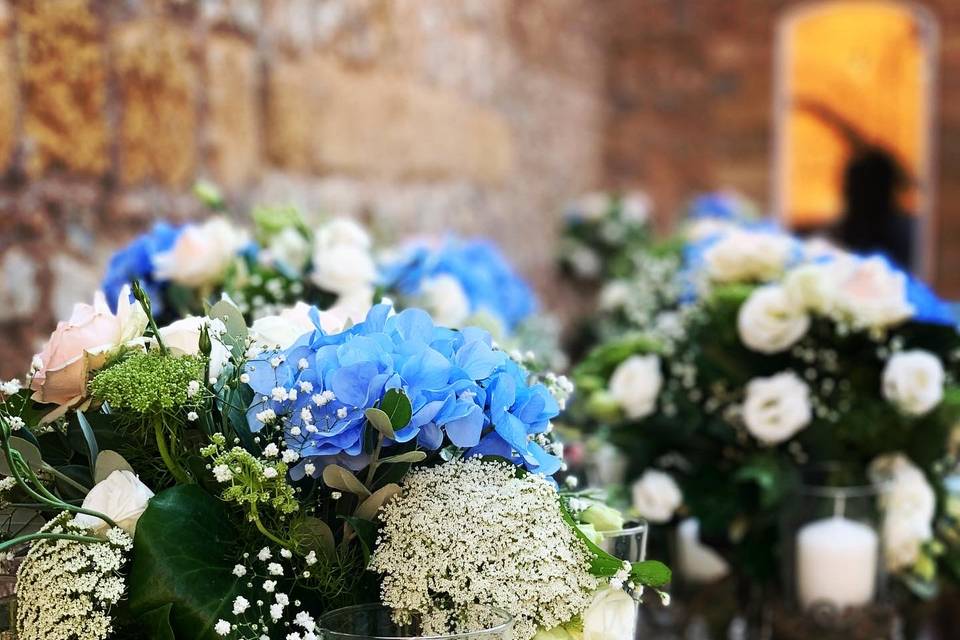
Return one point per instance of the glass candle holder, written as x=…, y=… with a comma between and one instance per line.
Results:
x=379, y=622
x=832, y=550
x=629, y=543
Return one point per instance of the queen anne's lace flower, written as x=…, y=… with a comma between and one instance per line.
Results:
x=473, y=532
x=65, y=589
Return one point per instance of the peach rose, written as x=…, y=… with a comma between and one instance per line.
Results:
x=81, y=345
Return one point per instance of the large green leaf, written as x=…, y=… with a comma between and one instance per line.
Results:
x=183, y=556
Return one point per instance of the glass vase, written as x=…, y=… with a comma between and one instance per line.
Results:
x=379, y=622
x=833, y=575
x=629, y=543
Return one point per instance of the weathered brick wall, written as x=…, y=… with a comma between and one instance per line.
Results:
x=481, y=116
x=691, y=92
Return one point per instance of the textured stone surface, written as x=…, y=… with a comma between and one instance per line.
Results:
x=19, y=295
x=63, y=74
x=158, y=87
x=233, y=109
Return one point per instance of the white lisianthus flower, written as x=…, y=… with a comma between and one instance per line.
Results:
x=656, y=496
x=290, y=247
x=636, y=207
x=341, y=257
x=776, y=408
x=872, y=295
x=183, y=338
x=913, y=381
x=910, y=506
x=741, y=255
x=201, y=254
x=612, y=615
x=121, y=497
x=696, y=561
x=446, y=300
x=635, y=385
x=770, y=322
x=814, y=286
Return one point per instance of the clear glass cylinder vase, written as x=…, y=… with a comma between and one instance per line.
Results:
x=379, y=622
x=629, y=543
x=833, y=572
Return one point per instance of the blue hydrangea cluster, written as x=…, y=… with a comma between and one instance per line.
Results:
x=722, y=205
x=489, y=281
x=135, y=261
x=462, y=392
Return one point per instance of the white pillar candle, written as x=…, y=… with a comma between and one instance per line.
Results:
x=837, y=562
x=697, y=562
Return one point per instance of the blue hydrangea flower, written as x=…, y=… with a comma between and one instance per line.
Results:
x=462, y=391
x=487, y=278
x=136, y=261
x=722, y=205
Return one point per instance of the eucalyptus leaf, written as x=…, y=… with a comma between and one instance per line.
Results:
x=183, y=556
x=409, y=456
x=369, y=508
x=29, y=451
x=235, y=336
x=107, y=462
x=313, y=534
x=336, y=477
x=381, y=422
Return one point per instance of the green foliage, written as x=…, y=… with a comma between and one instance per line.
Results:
x=148, y=383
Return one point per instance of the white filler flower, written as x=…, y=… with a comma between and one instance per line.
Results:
x=635, y=385
x=472, y=532
x=776, y=408
x=656, y=496
x=913, y=381
x=770, y=322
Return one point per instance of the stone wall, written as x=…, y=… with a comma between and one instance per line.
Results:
x=691, y=93
x=481, y=116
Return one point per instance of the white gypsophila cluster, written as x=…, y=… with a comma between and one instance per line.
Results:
x=266, y=609
x=471, y=532
x=65, y=588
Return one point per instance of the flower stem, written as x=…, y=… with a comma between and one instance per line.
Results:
x=47, y=536
x=175, y=469
x=255, y=516
x=374, y=461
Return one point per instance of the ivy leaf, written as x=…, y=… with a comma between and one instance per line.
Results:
x=397, y=406
x=336, y=477
x=182, y=559
x=156, y=623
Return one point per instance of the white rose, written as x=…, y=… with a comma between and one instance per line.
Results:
x=770, y=322
x=913, y=381
x=201, y=254
x=909, y=508
x=446, y=300
x=121, y=497
x=612, y=615
x=593, y=206
x=656, y=496
x=635, y=385
x=635, y=207
x=742, y=255
x=183, y=338
x=614, y=295
x=289, y=247
x=873, y=295
x=696, y=561
x=814, y=286
x=777, y=407
x=341, y=257
x=285, y=328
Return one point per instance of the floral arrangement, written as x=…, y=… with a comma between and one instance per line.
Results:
x=602, y=234
x=787, y=354
x=210, y=479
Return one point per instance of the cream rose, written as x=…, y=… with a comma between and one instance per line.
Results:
x=872, y=295
x=814, y=286
x=289, y=247
x=913, y=381
x=81, y=345
x=770, y=322
x=909, y=507
x=121, y=497
x=635, y=385
x=183, y=338
x=776, y=408
x=446, y=300
x=741, y=255
x=656, y=496
x=612, y=615
x=341, y=257
x=201, y=254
